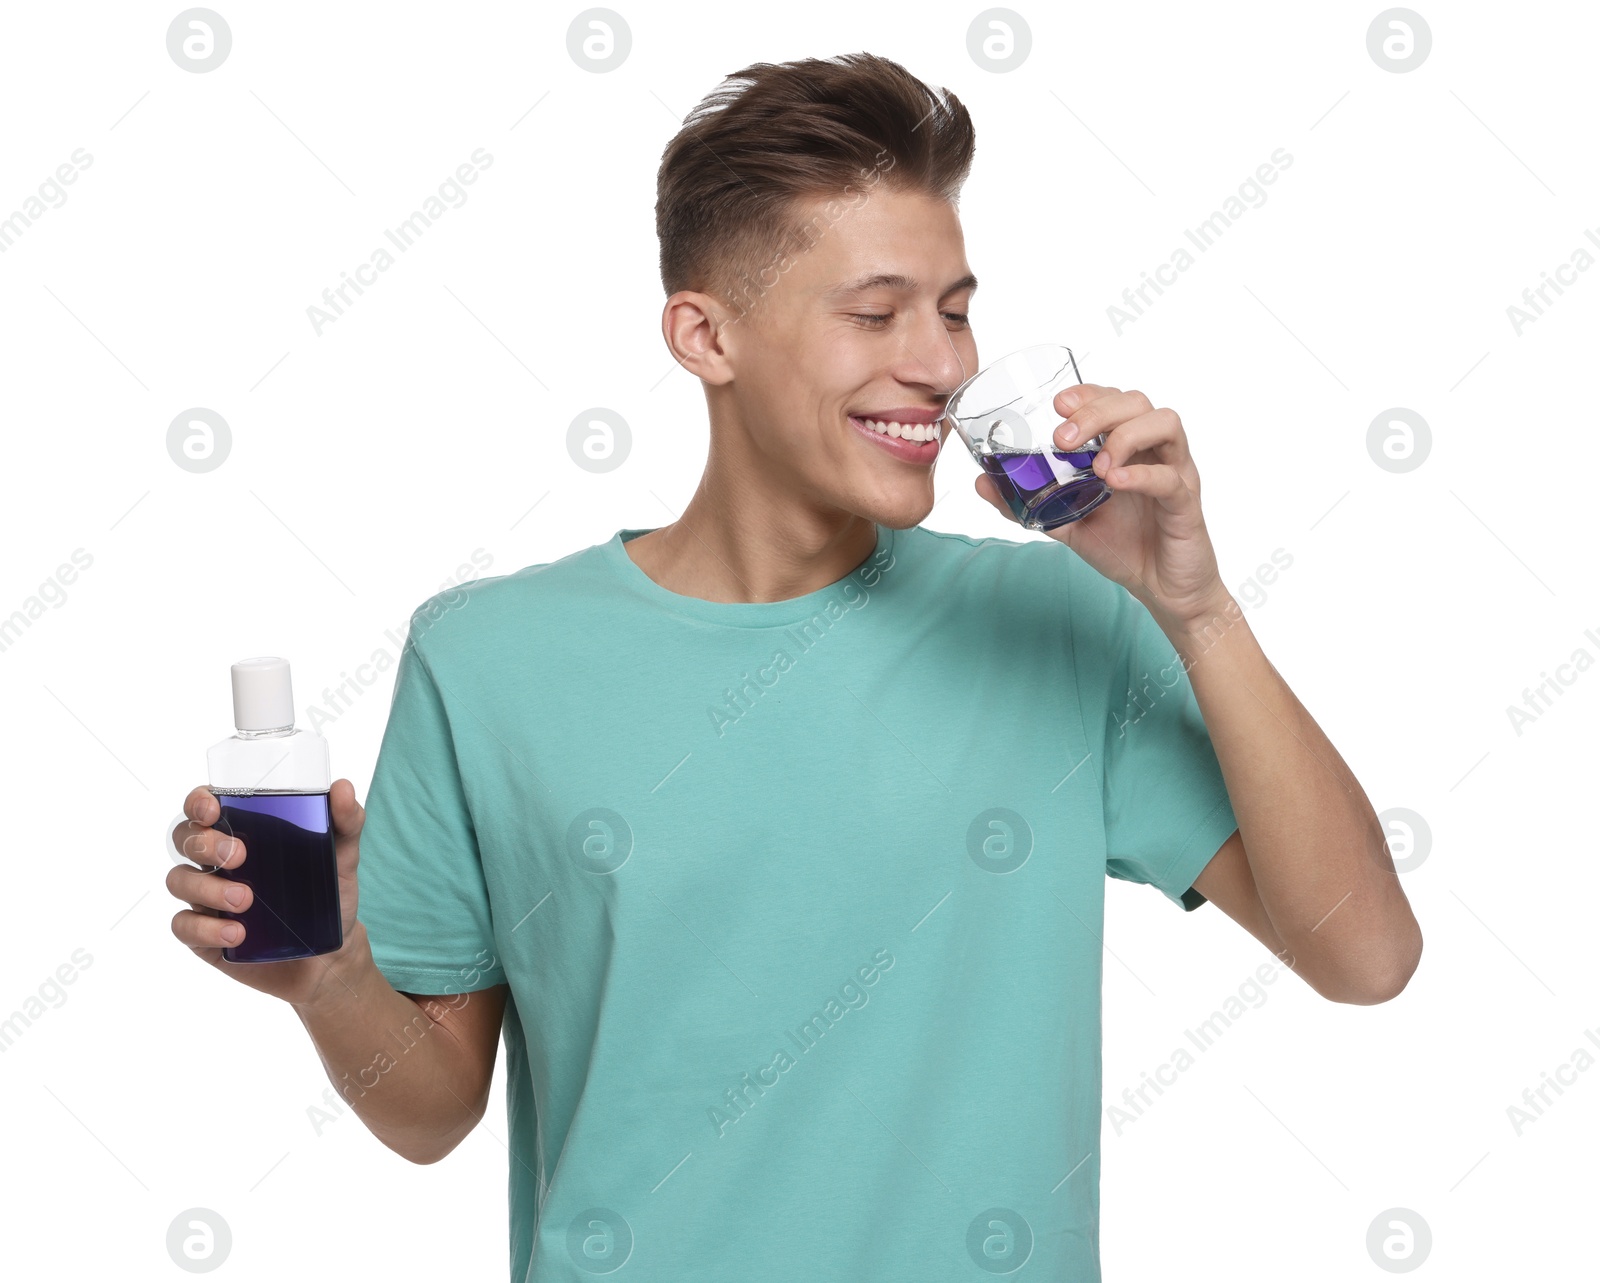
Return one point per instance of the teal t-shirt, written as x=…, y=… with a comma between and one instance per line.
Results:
x=800, y=903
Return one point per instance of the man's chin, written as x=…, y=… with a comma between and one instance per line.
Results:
x=899, y=511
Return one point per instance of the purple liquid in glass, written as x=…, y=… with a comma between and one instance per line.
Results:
x=291, y=866
x=1036, y=495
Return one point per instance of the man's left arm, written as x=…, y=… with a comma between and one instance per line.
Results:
x=1308, y=872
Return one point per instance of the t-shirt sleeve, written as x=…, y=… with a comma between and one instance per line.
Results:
x=421, y=889
x=1167, y=809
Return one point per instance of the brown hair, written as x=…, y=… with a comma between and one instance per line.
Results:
x=777, y=132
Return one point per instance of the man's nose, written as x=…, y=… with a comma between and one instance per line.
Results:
x=932, y=358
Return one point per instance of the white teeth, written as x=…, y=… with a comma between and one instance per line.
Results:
x=904, y=431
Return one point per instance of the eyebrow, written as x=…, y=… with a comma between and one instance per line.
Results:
x=896, y=281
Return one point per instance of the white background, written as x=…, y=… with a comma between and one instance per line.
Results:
x=429, y=421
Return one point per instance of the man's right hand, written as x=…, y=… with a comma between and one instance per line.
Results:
x=301, y=981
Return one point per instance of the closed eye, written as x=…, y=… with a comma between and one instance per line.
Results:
x=877, y=321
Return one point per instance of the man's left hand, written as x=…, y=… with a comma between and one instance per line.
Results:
x=1150, y=536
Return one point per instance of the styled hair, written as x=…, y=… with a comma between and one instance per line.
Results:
x=730, y=180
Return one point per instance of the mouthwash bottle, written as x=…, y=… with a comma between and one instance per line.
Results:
x=272, y=782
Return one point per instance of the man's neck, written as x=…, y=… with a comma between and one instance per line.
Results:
x=751, y=548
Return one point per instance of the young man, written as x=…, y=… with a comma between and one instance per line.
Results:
x=778, y=835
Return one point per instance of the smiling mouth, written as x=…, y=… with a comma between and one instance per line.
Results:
x=920, y=447
x=914, y=432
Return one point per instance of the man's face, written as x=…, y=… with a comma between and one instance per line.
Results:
x=821, y=354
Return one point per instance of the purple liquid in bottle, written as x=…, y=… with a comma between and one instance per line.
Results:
x=291, y=866
x=1036, y=495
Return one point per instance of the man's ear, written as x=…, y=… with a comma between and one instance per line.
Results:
x=698, y=330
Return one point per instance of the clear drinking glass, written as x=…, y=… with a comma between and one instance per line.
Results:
x=1006, y=415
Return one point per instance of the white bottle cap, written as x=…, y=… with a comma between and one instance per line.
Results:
x=262, y=699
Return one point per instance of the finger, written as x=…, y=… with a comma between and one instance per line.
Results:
x=202, y=806
x=1160, y=433
x=206, y=846
x=202, y=931
x=1160, y=481
x=200, y=889
x=1069, y=399
x=1104, y=413
x=196, y=840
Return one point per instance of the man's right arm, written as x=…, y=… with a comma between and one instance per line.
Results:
x=416, y=1069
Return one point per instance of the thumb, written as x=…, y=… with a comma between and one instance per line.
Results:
x=348, y=814
x=985, y=486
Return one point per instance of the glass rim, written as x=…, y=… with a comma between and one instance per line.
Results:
x=1071, y=363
